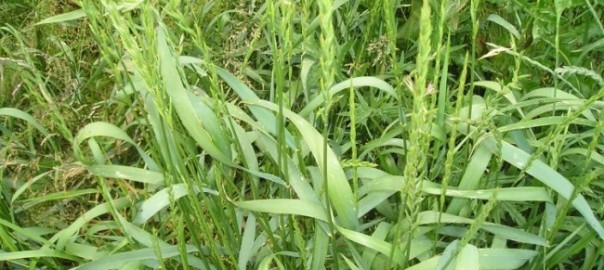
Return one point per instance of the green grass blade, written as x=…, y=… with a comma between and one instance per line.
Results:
x=161, y=199
x=183, y=104
x=65, y=17
x=547, y=176
x=340, y=193
x=19, y=114
x=127, y=172
x=347, y=84
x=286, y=207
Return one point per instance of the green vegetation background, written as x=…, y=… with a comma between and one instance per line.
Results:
x=347, y=134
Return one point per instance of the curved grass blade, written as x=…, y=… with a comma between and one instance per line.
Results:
x=264, y=116
x=286, y=207
x=118, y=260
x=9, y=256
x=354, y=83
x=547, y=176
x=127, y=172
x=433, y=217
x=103, y=129
x=185, y=107
x=161, y=199
x=19, y=114
x=65, y=17
x=340, y=193
x=64, y=235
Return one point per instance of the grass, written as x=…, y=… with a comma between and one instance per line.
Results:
x=301, y=134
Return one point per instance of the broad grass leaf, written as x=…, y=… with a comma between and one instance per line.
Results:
x=127, y=172
x=320, y=249
x=27, y=185
x=563, y=101
x=19, y=114
x=161, y=199
x=518, y=194
x=31, y=234
x=40, y=253
x=378, y=245
x=448, y=259
x=145, y=238
x=489, y=259
x=65, y=17
x=505, y=24
x=84, y=251
x=286, y=207
x=468, y=258
x=594, y=156
x=349, y=263
x=118, y=260
x=264, y=116
x=547, y=176
x=429, y=264
x=247, y=242
x=500, y=89
x=190, y=115
x=340, y=193
x=380, y=233
x=303, y=189
x=545, y=121
x=433, y=217
x=503, y=259
x=102, y=129
x=201, y=106
x=354, y=83
x=62, y=237
x=471, y=177
x=55, y=196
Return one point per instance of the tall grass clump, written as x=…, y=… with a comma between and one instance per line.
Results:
x=301, y=134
